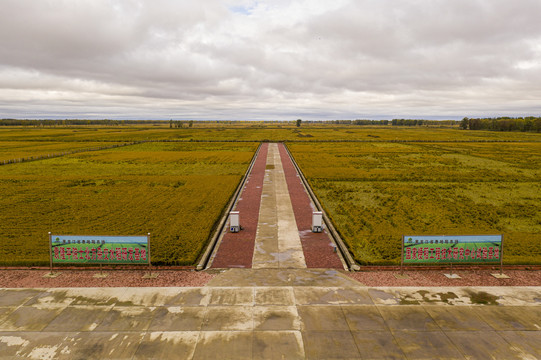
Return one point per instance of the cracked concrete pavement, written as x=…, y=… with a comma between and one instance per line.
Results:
x=272, y=314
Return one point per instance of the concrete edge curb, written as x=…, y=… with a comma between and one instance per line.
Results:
x=204, y=262
x=350, y=263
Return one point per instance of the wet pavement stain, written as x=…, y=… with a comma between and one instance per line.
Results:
x=445, y=297
x=482, y=298
x=404, y=301
x=430, y=297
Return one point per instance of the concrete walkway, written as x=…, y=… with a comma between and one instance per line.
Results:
x=275, y=215
x=277, y=242
x=271, y=314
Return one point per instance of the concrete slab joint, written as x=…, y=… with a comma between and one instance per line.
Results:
x=321, y=314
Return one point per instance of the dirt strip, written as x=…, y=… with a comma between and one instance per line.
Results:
x=189, y=278
x=438, y=278
x=318, y=248
x=116, y=278
x=237, y=249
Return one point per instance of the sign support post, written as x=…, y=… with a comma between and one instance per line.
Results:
x=501, y=258
x=501, y=275
x=401, y=275
x=149, y=275
x=402, y=258
x=148, y=250
x=50, y=253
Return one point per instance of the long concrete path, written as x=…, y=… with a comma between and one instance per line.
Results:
x=275, y=213
x=277, y=242
x=271, y=314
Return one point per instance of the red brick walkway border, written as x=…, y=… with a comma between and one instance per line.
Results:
x=237, y=249
x=317, y=247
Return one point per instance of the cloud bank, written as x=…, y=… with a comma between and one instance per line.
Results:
x=269, y=59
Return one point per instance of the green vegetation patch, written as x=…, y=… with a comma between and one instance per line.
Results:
x=377, y=192
x=17, y=150
x=256, y=131
x=174, y=191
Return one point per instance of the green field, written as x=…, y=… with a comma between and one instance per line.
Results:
x=377, y=192
x=31, y=150
x=376, y=183
x=256, y=132
x=175, y=191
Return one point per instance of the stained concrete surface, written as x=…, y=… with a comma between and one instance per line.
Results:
x=283, y=277
x=293, y=317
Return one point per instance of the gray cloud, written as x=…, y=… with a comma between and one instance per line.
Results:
x=269, y=59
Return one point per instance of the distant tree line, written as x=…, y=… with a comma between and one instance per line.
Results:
x=180, y=124
x=529, y=123
x=394, y=122
x=421, y=122
x=370, y=122
x=68, y=122
x=353, y=122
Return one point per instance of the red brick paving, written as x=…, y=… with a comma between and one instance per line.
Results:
x=317, y=247
x=19, y=278
x=237, y=249
x=471, y=277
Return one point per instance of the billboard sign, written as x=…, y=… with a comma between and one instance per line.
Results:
x=77, y=249
x=452, y=249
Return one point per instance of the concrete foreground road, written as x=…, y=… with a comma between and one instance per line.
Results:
x=272, y=314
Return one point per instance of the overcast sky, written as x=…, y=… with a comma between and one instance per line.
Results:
x=269, y=59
